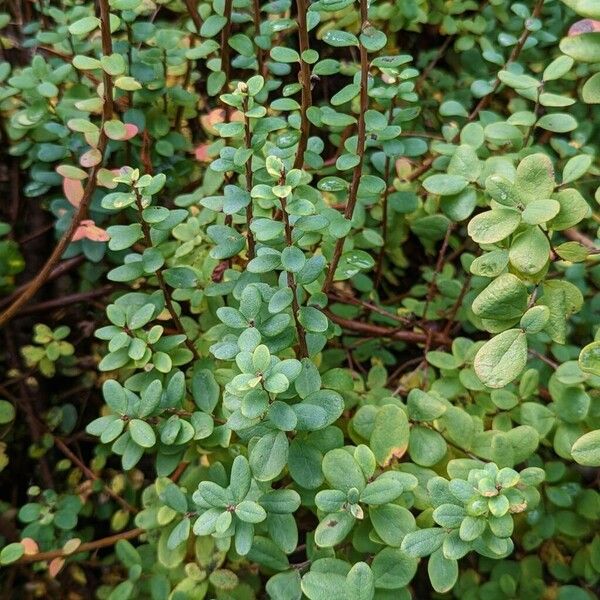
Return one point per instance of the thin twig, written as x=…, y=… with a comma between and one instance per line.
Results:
x=161, y=279
x=360, y=149
x=514, y=55
x=192, y=9
x=91, y=475
x=302, y=347
x=371, y=330
x=305, y=82
x=90, y=188
x=249, y=212
x=85, y=547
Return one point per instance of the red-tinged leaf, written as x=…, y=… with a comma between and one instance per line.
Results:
x=73, y=189
x=90, y=158
x=89, y=230
x=584, y=26
x=56, y=564
x=30, y=546
x=106, y=177
x=201, y=153
x=217, y=115
x=131, y=131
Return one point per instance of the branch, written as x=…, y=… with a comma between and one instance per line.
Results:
x=306, y=84
x=249, y=215
x=85, y=547
x=514, y=55
x=303, y=348
x=64, y=301
x=360, y=149
x=256, y=20
x=194, y=15
x=577, y=236
x=370, y=330
x=91, y=475
x=61, y=269
x=161, y=279
x=90, y=188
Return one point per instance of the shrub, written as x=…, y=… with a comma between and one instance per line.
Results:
x=320, y=316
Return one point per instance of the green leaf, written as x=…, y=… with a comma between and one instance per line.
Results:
x=322, y=585
x=285, y=586
x=493, y=225
x=505, y=299
x=212, y=26
x=535, y=178
x=392, y=523
x=423, y=542
x=389, y=439
x=586, y=450
x=443, y=572
x=340, y=39
x=342, y=471
x=591, y=90
x=142, y=433
x=573, y=209
x=502, y=359
x=7, y=412
x=11, y=553
x=372, y=39
x=576, y=167
x=589, y=358
x=284, y=55
x=250, y=512
x=584, y=47
x=268, y=456
x=530, y=251
x=538, y=212
x=313, y=319
x=393, y=569
x=360, y=582
x=535, y=319
x=83, y=26
x=585, y=8
x=445, y=185
x=333, y=529
x=557, y=122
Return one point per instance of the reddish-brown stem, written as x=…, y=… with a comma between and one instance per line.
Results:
x=368, y=306
x=456, y=306
x=193, y=13
x=360, y=150
x=61, y=269
x=378, y=331
x=259, y=52
x=85, y=547
x=249, y=215
x=161, y=279
x=302, y=347
x=91, y=475
x=66, y=300
x=225, y=61
x=81, y=212
x=439, y=54
x=384, y=220
x=514, y=55
x=305, y=82
x=576, y=236
x=438, y=269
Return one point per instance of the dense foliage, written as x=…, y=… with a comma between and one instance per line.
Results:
x=299, y=301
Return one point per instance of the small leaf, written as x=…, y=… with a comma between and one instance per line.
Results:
x=502, y=359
